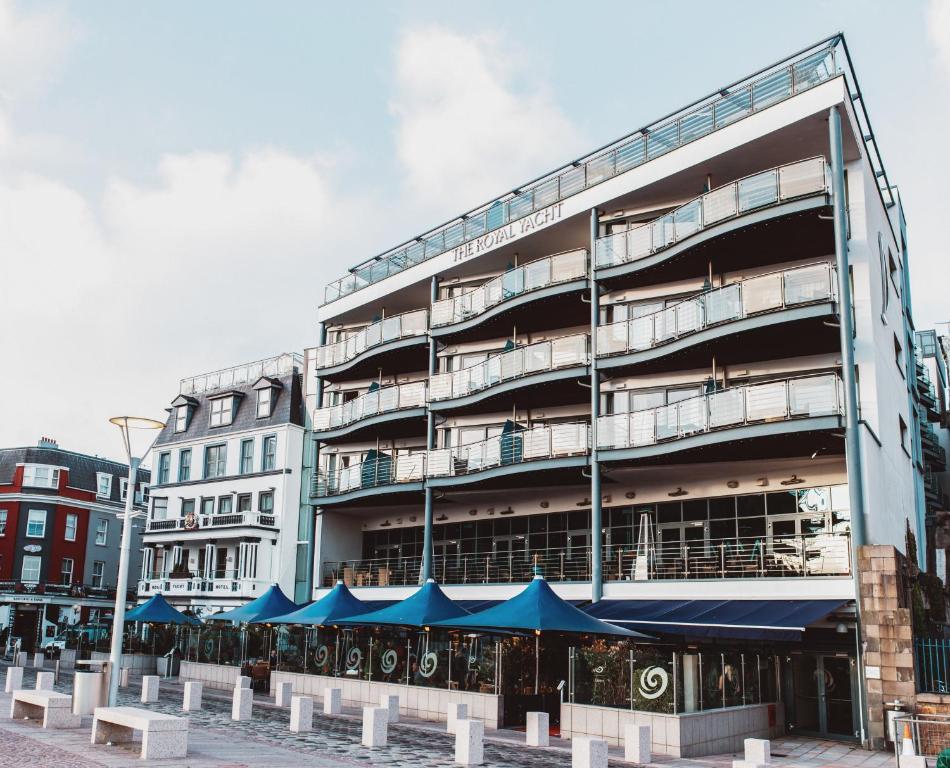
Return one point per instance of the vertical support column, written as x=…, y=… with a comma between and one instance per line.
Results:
x=596, y=513
x=315, y=468
x=426, y=573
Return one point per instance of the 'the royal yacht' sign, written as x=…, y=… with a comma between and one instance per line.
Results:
x=524, y=226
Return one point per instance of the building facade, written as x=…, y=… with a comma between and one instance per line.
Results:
x=680, y=368
x=225, y=503
x=59, y=538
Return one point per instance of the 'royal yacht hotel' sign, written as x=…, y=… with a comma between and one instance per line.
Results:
x=513, y=231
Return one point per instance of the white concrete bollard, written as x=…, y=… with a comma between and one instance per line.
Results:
x=757, y=754
x=22, y=659
x=192, y=699
x=375, y=726
x=301, y=714
x=539, y=729
x=14, y=679
x=149, y=689
x=391, y=703
x=332, y=701
x=913, y=761
x=44, y=681
x=242, y=704
x=243, y=682
x=454, y=713
x=124, y=677
x=38, y=660
x=637, y=743
x=588, y=752
x=283, y=693
x=469, y=742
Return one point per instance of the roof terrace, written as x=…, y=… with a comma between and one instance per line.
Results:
x=247, y=373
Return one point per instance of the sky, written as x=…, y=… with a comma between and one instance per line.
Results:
x=179, y=180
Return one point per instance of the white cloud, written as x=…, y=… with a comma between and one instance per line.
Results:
x=465, y=127
x=938, y=27
x=33, y=48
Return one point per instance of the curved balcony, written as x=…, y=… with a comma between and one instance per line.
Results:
x=379, y=478
x=746, y=312
x=773, y=194
x=387, y=413
x=777, y=410
x=395, y=343
x=542, y=452
x=517, y=297
x=545, y=372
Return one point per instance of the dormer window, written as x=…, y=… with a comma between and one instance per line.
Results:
x=103, y=485
x=267, y=390
x=184, y=409
x=181, y=418
x=40, y=476
x=222, y=411
x=263, y=402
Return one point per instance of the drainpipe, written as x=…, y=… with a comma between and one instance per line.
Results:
x=852, y=441
x=311, y=514
x=430, y=446
x=596, y=515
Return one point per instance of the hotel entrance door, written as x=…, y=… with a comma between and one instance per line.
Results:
x=822, y=696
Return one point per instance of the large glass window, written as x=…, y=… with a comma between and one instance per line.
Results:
x=36, y=524
x=98, y=573
x=31, y=569
x=72, y=522
x=66, y=571
x=215, y=461
x=102, y=532
x=164, y=467
x=40, y=476
x=184, y=465
x=159, y=509
x=269, y=452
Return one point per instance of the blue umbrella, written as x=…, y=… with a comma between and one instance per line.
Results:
x=336, y=604
x=158, y=611
x=428, y=605
x=272, y=603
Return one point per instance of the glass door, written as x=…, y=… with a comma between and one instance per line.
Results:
x=823, y=695
x=791, y=536
x=510, y=561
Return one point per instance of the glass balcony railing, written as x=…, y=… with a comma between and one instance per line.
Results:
x=376, y=469
x=512, y=447
x=745, y=298
x=559, y=268
x=381, y=332
x=564, y=352
x=794, y=398
x=781, y=81
x=772, y=187
x=248, y=373
x=382, y=400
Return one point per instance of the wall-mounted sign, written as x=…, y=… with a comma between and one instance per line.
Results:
x=32, y=548
x=513, y=231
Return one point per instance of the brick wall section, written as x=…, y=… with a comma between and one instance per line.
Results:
x=886, y=626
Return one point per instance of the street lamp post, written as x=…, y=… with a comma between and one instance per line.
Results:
x=126, y=424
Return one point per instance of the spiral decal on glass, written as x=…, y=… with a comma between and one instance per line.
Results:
x=354, y=658
x=653, y=682
x=320, y=655
x=429, y=664
x=388, y=661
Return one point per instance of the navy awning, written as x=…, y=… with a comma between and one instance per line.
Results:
x=272, y=603
x=158, y=611
x=740, y=619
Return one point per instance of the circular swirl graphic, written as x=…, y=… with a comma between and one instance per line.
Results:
x=653, y=682
x=354, y=658
x=387, y=661
x=598, y=670
x=429, y=664
x=320, y=655
x=209, y=647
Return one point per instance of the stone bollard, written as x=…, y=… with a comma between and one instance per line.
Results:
x=301, y=714
x=242, y=704
x=44, y=681
x=637, y=743
x=455, y=713
x=22, y=659
x=283, y=693
x=38, y=660
x=390, y=703
x=332, y=701
x=124, y=677
x=469, y=742
x=192, y=698
x=375, y=725
x=539, y=729
x=758, y=754
x=14, y=679
x=149, y=689
x=243, y=682
x=588, y=752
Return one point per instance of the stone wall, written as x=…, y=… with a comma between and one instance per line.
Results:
x=211, y=675
x=139, y=663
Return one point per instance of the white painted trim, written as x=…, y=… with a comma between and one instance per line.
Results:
x=64, y=501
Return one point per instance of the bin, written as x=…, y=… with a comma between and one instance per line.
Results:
x=892, y=711
x=89, y=691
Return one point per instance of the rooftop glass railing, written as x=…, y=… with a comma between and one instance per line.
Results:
x=375, y=470
x=745, y=298
x=511, y=447
x=551, y=270
x=782, y=80
x=379, y=401
x=381, y=332
x=784, y=400
x=237, y=375
x=564, y=352
x=761, y=190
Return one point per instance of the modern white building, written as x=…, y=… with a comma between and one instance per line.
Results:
x=225, y=506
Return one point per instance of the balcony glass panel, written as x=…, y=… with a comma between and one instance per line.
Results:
x=733, y=106
x=720, y=204
x=758, y=191
x=687, y=219
x=804, y=178
x=386, y=330
x=662, y=140
x=376, y=469
x=816, y=396
x=761, y=294
x=772, y=88
x=726, y=408
x=631, y=154
x=696, y=124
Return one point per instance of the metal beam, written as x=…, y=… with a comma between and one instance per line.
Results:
x=426, y=572
x=596, y=511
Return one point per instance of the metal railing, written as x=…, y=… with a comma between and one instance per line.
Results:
x=247, y=373
x=382, y=400
x=381, y=469
x=516, y=447
x=797, y=556
x=786, y=399
x=932, y=664
x=800, y=72
x=257, y=519
x=930, y=735
x=752, y=296
x=563, y=352
x=388, y=329
x=550, y=270
x=761, y=190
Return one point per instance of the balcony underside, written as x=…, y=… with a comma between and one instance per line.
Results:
x=786, y=333
x=528, y=312
x=782, y=233
x=197, y=535
x=769, y=440
x=564, y=470
x=538, y=390
x=401, y=355
x=372, y=496
x=409, y=422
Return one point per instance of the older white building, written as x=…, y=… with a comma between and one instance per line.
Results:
x=223, y=519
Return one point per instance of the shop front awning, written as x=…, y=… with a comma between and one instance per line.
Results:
x=737, y=619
